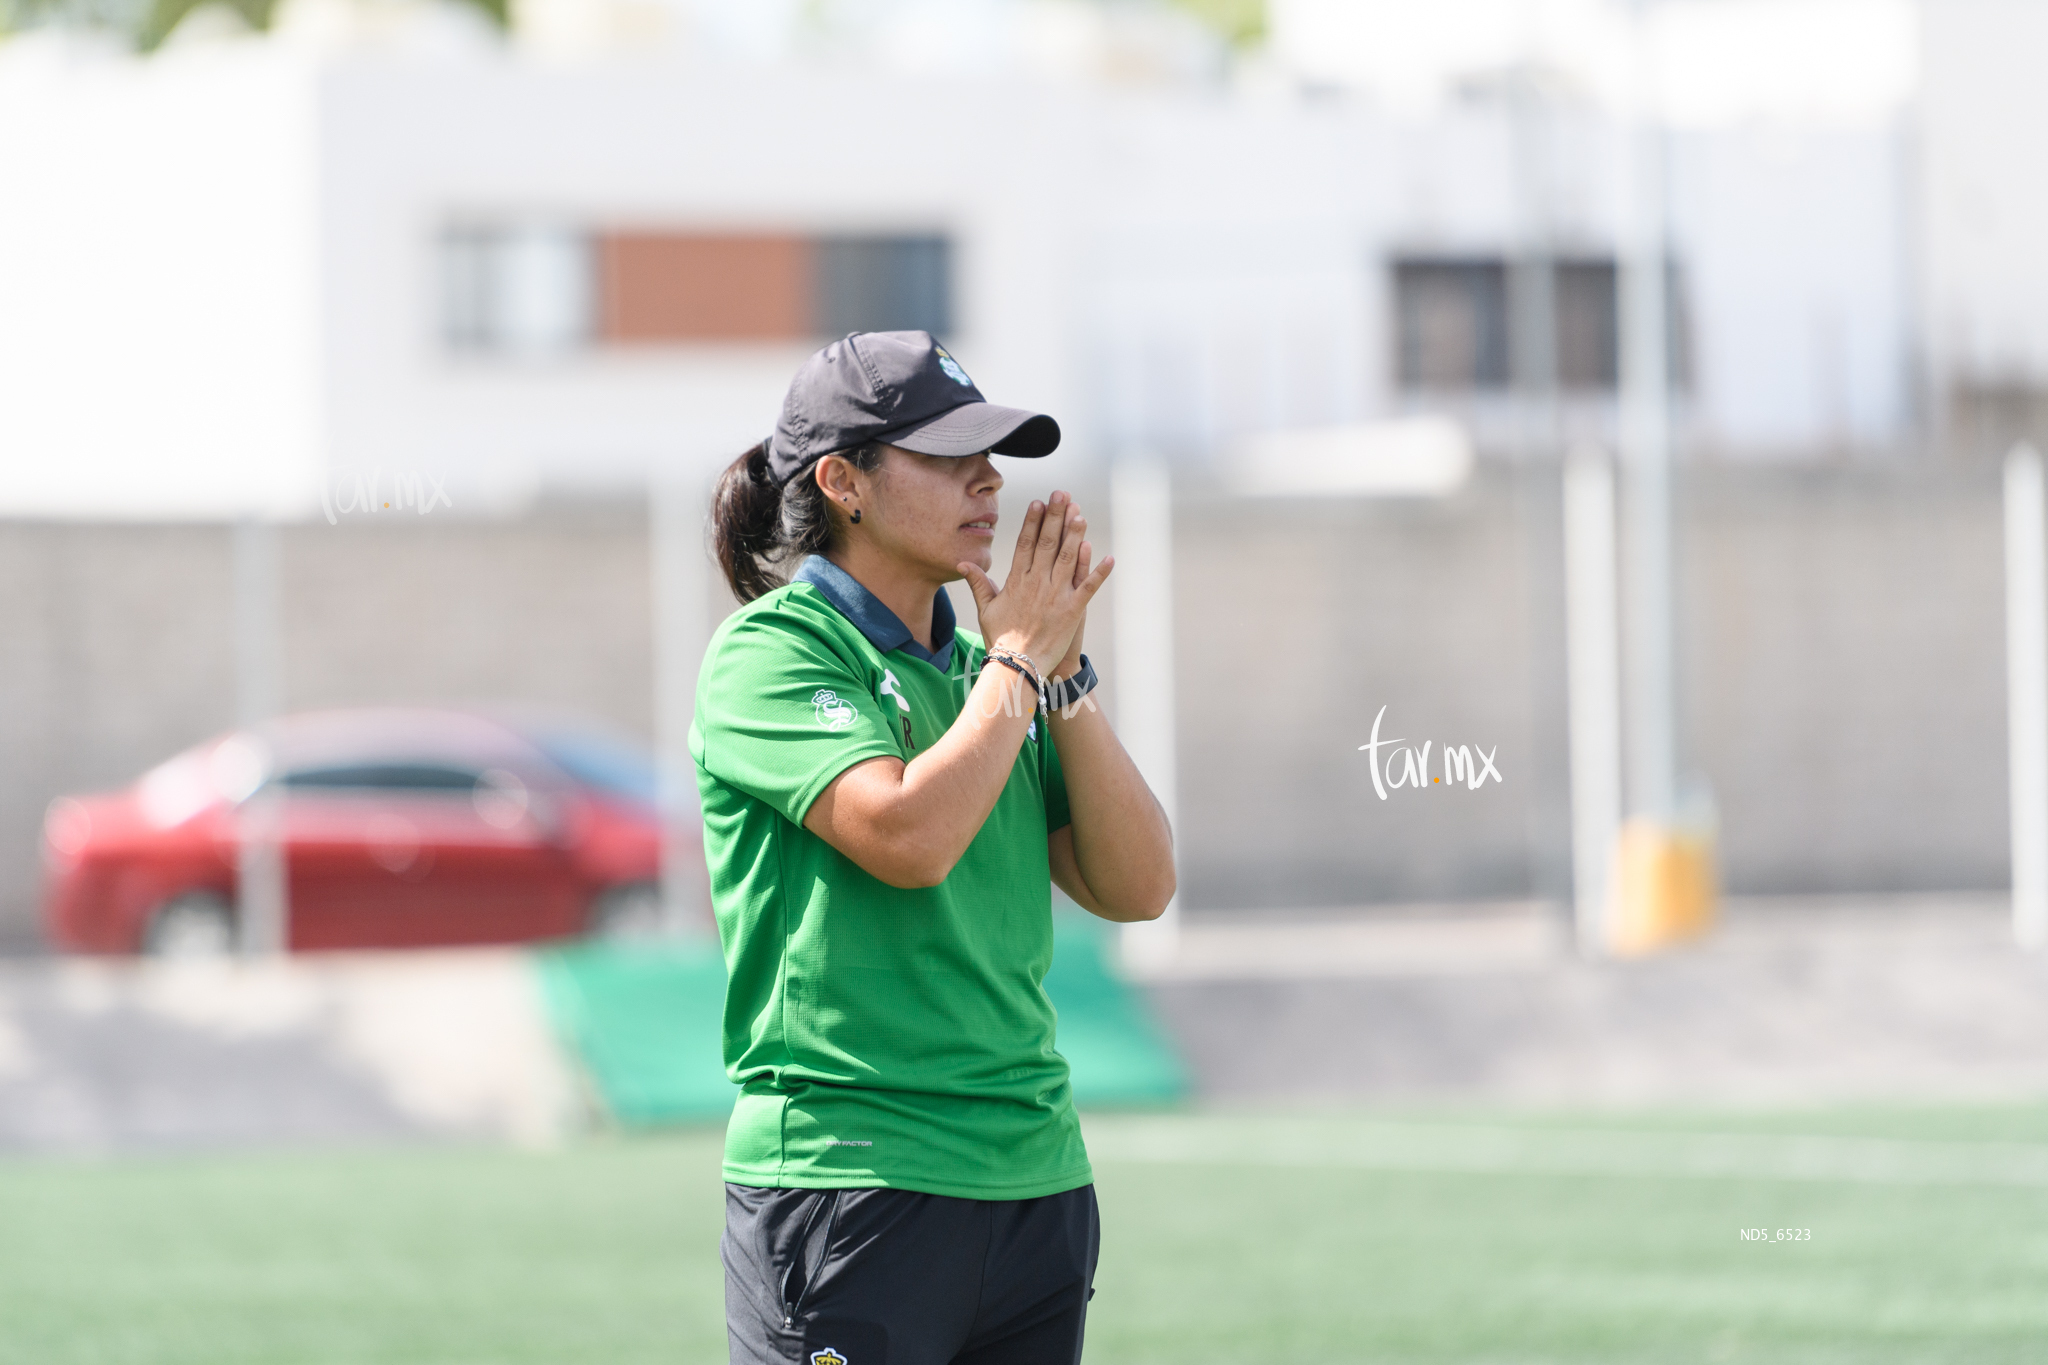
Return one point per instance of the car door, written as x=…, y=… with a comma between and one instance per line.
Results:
x=500, y=870
x=412, y=853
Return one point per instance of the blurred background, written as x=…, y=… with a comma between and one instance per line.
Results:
x=1631, y=401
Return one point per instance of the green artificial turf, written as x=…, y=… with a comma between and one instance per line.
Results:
x=605, y=1252
x=1227, y=1261
x=1228, y=1238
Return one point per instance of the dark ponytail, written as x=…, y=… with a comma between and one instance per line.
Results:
x=757, y=525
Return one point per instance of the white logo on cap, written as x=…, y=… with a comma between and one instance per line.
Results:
x=952, y=368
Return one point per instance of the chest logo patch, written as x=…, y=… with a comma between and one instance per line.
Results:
x=828, y=1356
x=892, y=688
x=833, y=714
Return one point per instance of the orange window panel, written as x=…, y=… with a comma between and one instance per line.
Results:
x=665, y=286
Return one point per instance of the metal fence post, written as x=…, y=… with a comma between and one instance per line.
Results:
x=1593, y=683
x=263, y=909
x=1141, y=518
x=2026, y=674
x=680, y=506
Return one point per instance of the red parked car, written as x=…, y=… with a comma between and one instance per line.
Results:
x=400, y=828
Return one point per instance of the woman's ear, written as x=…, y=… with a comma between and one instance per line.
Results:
x=835, y=478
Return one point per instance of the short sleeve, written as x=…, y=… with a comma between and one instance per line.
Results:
x=781, y=711
x=1057, y=815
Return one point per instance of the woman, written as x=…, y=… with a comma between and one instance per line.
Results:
x=887, y=801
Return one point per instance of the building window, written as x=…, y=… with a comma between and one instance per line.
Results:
x=1451, y=323
x=519, y=290
x=884, y=284
x=1588, y=331
x=533, y=290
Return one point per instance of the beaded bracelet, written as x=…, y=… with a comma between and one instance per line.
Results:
x=1022, y=663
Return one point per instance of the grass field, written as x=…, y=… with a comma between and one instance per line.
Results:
x=1229, y=1238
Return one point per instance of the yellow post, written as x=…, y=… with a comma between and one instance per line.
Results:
x=1663, y=890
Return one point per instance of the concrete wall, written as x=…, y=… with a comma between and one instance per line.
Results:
x=1841, y=642
x=1846, y=645
x=1296, y=622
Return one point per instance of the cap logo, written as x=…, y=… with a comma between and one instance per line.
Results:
x=952, y=368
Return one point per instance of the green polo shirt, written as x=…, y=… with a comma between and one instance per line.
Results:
x=879, y=1037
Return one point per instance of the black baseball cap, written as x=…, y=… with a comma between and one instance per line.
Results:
x=900, y=388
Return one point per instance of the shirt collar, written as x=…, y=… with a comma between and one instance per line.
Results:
x=883, y=628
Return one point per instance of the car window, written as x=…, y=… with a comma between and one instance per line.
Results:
x=598, y=761
x=389, y=776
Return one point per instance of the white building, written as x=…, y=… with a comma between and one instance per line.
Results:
x=235, y=271
x=1984, y=215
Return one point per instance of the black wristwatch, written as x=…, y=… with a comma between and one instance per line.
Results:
x=1062, y=693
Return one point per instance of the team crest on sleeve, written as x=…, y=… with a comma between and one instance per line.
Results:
x=828, y=1356
x=832, y=712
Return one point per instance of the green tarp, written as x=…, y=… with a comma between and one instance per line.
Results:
x=644, y=1022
